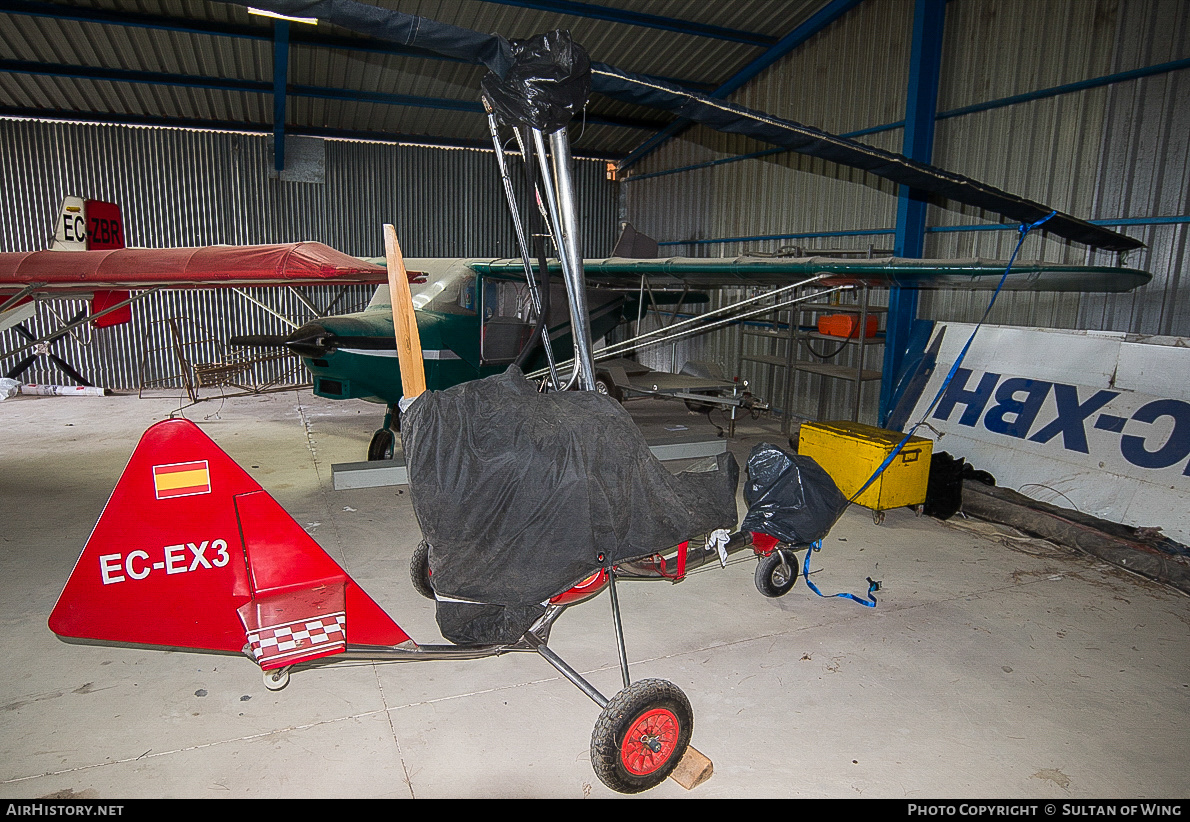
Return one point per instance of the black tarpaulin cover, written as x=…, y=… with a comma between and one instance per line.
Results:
x=521, y=495
x=789, y=496
x=547, y=85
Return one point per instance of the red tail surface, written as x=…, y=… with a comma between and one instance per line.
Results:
x=191, y=552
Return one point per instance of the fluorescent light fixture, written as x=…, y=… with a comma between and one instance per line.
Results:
x=313, y=21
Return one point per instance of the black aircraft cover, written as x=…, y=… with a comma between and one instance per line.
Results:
x=523, y=494
x=789, y=496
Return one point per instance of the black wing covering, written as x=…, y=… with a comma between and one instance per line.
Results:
x=501, y=55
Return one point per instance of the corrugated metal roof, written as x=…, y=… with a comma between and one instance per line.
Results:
x=193, y=63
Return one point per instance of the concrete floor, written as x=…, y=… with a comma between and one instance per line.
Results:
x=993, y=666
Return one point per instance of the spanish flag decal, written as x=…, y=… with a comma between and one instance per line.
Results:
x=182, y=479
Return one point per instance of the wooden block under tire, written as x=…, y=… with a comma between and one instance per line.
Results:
x=693, y=770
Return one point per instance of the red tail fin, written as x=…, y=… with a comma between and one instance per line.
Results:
x=190, y=552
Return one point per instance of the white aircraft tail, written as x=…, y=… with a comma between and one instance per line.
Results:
x=84, y=225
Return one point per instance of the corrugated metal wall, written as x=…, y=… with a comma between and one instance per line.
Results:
x=850, y=77
x=186, y=188
x=1115, y=152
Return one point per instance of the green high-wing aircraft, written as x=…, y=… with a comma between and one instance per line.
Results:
x=475, y=315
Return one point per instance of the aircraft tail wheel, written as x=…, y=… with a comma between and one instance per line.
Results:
x=641, y=736
x=776, y=573
x=419, y=570
x=381, y=447
x=276, y=679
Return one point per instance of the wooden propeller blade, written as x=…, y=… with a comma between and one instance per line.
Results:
x=413, y=367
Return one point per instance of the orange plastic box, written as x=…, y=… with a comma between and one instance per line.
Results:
x=846, y=325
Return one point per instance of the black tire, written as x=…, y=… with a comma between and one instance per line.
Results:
x=382, y=445
x=772, y=579
x=419, y=570
x=701, y=407
x=605, y=385
x=641, y=736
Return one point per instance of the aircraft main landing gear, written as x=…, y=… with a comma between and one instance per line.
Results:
x=384, y=441
x=641, y=736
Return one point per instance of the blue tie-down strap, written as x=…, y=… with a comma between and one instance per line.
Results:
x=873, y=585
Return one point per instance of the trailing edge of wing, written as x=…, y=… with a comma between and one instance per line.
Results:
x=971, y=274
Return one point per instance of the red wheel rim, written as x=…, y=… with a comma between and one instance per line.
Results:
x=657, y=728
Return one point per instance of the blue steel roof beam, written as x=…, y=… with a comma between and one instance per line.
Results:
x=820, y=20
x=636, y=18
x=266, y=87
x=134, y=76
x=302, y=37
x=280, y=82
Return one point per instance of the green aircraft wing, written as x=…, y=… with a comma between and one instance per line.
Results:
x=713, y=272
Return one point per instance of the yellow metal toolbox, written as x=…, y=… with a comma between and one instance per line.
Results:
x=851, y=452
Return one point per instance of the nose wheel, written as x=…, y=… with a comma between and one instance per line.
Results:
x=776, y=573
x=641, y=736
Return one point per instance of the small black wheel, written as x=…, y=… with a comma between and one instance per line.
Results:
x=641, y=736
x=381, y=447
x=701, y=407
x=606, y=386
x=878, y=517
x=776, y=573
x=419, y=570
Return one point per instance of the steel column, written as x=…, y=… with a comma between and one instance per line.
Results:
x=280, y=81
x=921, y=105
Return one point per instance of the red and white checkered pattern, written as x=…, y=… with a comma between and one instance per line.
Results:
x=301, y=639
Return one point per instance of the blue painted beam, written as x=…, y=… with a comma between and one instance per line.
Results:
x=263, y=87
x=921, y=107
x=133, y=76
x=823, y=18
x=280, y=82
x=636, y=18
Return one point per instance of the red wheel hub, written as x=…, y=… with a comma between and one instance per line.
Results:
x=650, y=741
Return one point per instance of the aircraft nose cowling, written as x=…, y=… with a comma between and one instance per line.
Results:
x=311, y=340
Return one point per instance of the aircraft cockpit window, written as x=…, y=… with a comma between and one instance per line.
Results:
x=507, y=320
x=466, y=299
